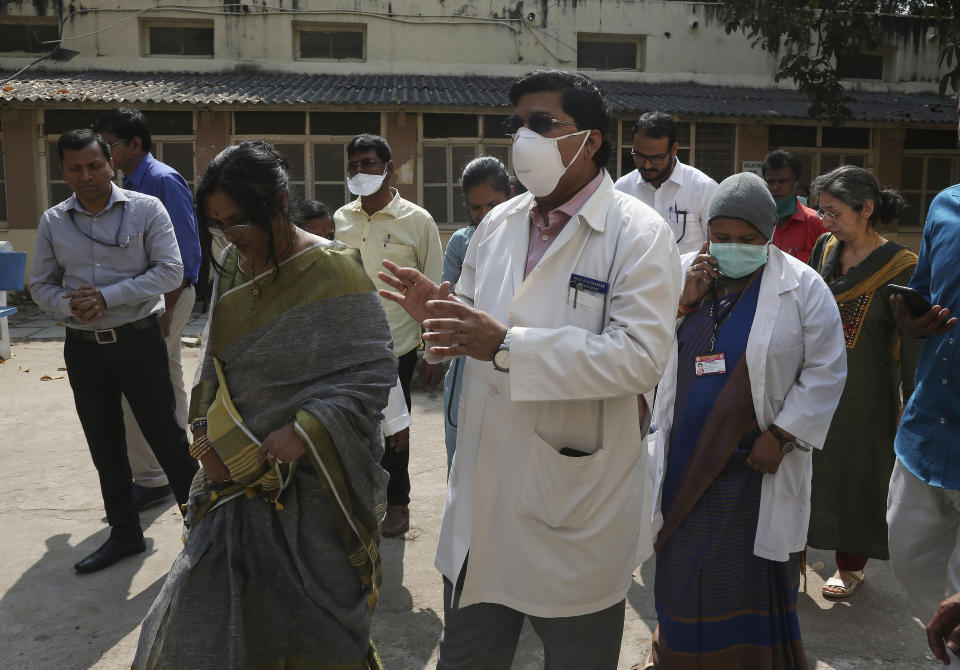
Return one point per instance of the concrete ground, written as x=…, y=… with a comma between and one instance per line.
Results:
x=51, y=515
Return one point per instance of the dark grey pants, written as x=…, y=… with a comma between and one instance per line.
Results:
x=484, y=636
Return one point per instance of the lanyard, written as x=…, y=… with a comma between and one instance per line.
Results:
x=715, y=312
x=116, y=237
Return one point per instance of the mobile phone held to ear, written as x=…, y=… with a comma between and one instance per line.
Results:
x=916, y=303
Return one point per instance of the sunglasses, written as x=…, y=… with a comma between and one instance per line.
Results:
x=540, y=122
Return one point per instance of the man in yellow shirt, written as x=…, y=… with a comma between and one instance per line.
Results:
x=382, y=225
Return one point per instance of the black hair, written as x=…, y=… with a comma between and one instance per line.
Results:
x=855, y=186
x=485, y=169
x=74, y=140
x=582, y=100
x=126, y=124
x=778, y=159
x=312, y=209
x=251, y=173
x=657, y=125
x=367, y=141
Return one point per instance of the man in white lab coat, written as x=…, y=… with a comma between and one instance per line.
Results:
x=565, y=310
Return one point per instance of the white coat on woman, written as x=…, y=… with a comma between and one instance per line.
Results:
x=797, y=363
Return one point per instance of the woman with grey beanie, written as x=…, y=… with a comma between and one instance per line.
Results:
x=757, y=368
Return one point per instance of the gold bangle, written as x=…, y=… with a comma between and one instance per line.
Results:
x=199, y=447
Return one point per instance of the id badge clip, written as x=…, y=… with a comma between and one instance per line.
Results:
x=710, y=364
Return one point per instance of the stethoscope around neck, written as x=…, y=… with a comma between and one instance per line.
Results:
x=116, y=236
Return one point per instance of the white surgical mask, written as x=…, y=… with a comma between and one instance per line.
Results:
x=366, y=184
x=537, y=162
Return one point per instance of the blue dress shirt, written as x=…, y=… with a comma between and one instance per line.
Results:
x=928, y=440
x=162, y=181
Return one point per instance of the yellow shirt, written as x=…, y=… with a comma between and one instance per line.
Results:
x=403, y=233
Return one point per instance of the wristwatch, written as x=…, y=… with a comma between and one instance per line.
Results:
x=786, y=444
x=501, y=357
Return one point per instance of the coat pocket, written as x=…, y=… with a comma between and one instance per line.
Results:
x=585, y=310
x=561, y=491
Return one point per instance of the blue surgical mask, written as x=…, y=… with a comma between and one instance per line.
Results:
x=738, y=260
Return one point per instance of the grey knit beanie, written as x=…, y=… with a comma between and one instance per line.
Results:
x=745, y=196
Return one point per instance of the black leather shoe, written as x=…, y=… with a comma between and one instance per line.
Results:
x=144, y=497
x=109, y=553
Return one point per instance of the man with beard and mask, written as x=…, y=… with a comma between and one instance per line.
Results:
x=565, y=309
x=678, y=192
x=798, y=226
x=384, y=226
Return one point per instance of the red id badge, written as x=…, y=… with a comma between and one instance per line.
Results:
x=710, y=364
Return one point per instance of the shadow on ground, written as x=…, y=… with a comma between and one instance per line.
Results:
x=51, y=602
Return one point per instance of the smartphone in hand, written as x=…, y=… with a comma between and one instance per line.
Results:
x=916, y=303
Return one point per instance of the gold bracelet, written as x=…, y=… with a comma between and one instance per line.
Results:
x=199, y=447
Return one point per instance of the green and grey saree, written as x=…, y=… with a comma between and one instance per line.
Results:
x=281, y=568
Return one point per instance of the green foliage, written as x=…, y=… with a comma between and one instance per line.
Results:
x=808, y=37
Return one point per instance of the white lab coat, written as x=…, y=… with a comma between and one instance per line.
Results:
x=548, y=534
x=797, y=362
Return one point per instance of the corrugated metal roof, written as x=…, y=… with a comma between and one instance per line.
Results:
x=272, y=88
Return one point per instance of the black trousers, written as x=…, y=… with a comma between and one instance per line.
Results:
x=137, y=367
x=396, y=463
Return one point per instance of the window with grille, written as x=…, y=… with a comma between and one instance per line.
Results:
x=822, y=148
x=922, y=177
x=178, y=155
x=860, y=66
x=28, y=36
x=189, y=40
x=450, y=142
x=610, y=52
x=329, y=42
x=715, y=149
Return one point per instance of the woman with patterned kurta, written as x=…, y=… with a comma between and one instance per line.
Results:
x=851, y=473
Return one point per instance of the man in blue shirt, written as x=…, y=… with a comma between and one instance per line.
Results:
x=125, y=130
x=923, y=503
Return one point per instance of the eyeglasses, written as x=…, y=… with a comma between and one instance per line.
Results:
x=366, y=163
x=656, y=159
x=218, y=229
x=540, y=123
x=115, y=143
x=824, y=215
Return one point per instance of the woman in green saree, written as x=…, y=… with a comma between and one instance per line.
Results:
x=280, y=566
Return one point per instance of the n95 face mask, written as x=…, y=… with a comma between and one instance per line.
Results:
x=366, y=184
x=537, y=162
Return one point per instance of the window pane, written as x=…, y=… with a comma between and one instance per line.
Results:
x=270, y=123
x=793, y=136
x=460, y=213
x=59, y=192
x=855, y=159
x=53, y=164
x=181, y=41
x=461, y=156
x=806, y=170
x=435, y=165
x=682, y=154
x=169, y=123
x=913, y=212
x=344, y=123
x=715, y=149
x=829, y=162
x=435, y=202
x=860, y=66
x=59, y=121
x=626, y=161
x=449, y=125
x=846, y=138
x=912, y=173
x=501, y=153
x=329, y=163
x=938, y=174
x=606, y=55
x=493, y=126
x=683, y=134
x=3, y=202
x=930, y=139
x=293, y=153
x=27, y=37
x=334, y=44
x=331, y=195
x=179, y=156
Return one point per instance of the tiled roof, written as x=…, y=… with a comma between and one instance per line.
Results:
x=271, y=88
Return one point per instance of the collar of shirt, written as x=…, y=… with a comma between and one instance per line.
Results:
x=558, y=217
x=392, y=208
x=116, y=195
x=134, y=178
